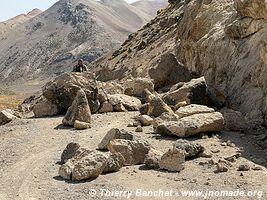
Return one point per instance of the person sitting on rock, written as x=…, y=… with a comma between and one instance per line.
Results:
x=80, y=67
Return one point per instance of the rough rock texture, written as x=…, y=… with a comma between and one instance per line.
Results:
x=44, y=108
x=193, y=92
x=133, y=151
x=152, y=159
x=137, y=86
x=106, y=107
x=62, y=90
x=156, y=107
x=192, y=125
x=78, y=111
x=234, y=120
x=169, y=72
x=193, y=109
x=223, y=40
x=6, y=117
x=69, y=152
x=81, y=164
x=114, y=163
x=48, y=44
x=89, y=165
x=81, y=125
x=226, y=42
x=145, y=120
x=172, y=160
x=112, y=134
x=130, y=103
x=191, y=149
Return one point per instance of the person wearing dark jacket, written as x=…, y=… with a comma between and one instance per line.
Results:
x=80, y=67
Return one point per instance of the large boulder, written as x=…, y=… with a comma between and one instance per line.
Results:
x=157, y=106
x=129, y=102
x=133, y=151
x=89, y=165
x=6, y=117
x=63, y=89
x=81, y=164
x=111, y=87
x=192, y=125
x=193, y=92
x=136, y=87
x=193, y=109
x=169, y=72
x=173, y=160
x=112, y=134
x=44, y=108
x=78, y=111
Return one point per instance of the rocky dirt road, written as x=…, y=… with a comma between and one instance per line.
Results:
x=30, y=153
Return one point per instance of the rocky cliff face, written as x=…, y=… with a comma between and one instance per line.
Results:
x=49, y=43
x=224, y=40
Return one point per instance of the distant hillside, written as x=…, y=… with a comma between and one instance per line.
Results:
x=150, y=6
x=15, y=21
x=50, y=43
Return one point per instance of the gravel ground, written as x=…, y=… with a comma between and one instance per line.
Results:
x=30, y=153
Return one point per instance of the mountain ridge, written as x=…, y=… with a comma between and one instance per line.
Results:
x=51, y=42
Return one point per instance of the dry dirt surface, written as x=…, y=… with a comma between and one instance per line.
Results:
x=30, y=154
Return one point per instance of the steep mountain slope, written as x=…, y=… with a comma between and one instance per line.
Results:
x=150, y=6
x=49, y=43
x=15, y=21
x=223, y=40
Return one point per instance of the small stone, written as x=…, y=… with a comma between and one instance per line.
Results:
x=257, y=168
x=215, y=150
x=206, y=155
x=204, y=137
x=130, y=125
x=81, y=125
x=120, y=108
x=173, y=160
x=106, y=107
x=139, y=129
x=136, y=124
x=145, y=120
x=207, y=183
x=244, y=167
x=231, y=158
x=220, y=167
x=230, y=144
x=223, y=144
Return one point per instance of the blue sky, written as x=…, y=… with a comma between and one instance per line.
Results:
x=11, y=8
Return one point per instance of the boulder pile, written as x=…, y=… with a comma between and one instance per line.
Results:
x=123, y=149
